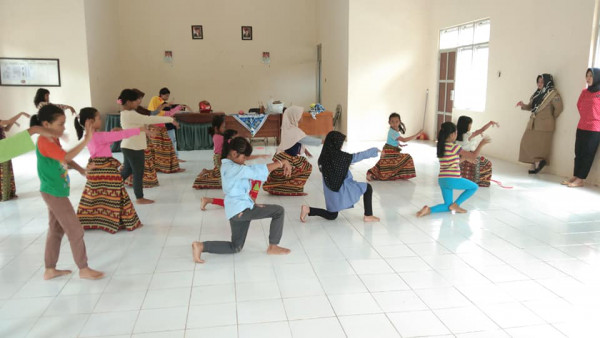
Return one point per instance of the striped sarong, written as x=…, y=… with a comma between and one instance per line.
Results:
x=210, y=179
x=7, y=182
x=393, y=165
x=278, y=184
x=165, y=159
x=105, y=204
x=150, y=178
x=479, y=172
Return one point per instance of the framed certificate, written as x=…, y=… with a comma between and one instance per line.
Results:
x=29, y=72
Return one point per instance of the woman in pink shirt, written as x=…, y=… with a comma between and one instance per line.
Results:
x=587, y=138
x=105, y=204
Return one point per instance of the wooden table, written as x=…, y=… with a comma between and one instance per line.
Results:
x=320, y=126
x=271, y=127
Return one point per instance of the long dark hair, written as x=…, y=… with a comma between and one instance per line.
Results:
x=239, y=144
x=48, y=113
x=40, y=96
x=402, y=127
x=462, y=126
x=446, y=129
x=128, y=95
x=217, y=121
x=84, y=115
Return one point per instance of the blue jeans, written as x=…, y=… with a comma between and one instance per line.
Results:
x=173, y=138
x=448, y=185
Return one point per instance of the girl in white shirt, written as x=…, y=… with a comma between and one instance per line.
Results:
x=480, y=171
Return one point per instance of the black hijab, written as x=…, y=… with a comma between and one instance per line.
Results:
x=540, y=94
x=333, y=162
x=596, y=84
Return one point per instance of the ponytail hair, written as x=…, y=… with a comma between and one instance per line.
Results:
x=446, y=129
x=40, y=96
x=217, y=121
x=239, y=144
x=128, y=95
x=462, y=126
x=47, y=113
x=401, y=126
x=85, y=114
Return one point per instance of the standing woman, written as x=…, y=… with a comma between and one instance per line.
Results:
x=42, y=98
x=292, y=146
x=588, y=129
x=545, y=106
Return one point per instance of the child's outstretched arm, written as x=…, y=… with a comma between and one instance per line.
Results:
x=484, y=128
x=13, y=120
x=363, y=155
x=409, y=138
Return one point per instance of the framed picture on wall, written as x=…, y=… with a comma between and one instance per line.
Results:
x=197, y=33
x=246, y=32
x=29, y=72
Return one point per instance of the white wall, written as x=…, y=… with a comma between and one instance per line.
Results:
x=333, y=36
x=527, y=38
x=221, y=68
x=102, y=28
x=45, y=29
x=389, y=65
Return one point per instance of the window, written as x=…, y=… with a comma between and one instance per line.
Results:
x=472, y=44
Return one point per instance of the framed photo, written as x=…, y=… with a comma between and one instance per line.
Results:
x=29, y=72
x=246, y=32
x=197, y=33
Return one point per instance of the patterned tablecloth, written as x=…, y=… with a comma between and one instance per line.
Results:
x=251, y=122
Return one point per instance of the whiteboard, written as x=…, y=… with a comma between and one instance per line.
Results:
x=29, y=72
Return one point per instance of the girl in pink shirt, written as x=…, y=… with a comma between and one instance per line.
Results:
x=211, y=178
x=105, y=204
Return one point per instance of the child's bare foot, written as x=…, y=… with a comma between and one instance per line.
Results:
x=456, y=208
x=304, y=210
x=203, y=172
x=180, y=160
x=204, y=202
x=370, y=219
x=424, y=211
x=53, y=273
x=369, y=177
x=144, y=201
x=197, y=248
x=277, y=250
x=88, y=273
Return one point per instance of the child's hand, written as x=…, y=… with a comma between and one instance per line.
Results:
x=89, y=129
x=308, y=154
x=402, y=144
x=287, y=168
x=72, y=110
x=117, y=129
x=519, y=104
x=24, y=114
x=148, y=131
x=175, y=123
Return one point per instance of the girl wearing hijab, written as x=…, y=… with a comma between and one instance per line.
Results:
x=340, y=189
x=545, y=106
x=292, y=146
x=588, y=129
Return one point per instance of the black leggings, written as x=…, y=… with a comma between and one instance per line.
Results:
x=586, y=145
x=367, y=199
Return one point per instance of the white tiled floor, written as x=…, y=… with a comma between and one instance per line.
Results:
x=523, y=262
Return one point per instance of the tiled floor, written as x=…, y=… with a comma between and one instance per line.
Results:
x=523, y=262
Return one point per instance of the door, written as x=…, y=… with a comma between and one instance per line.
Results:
x=446, y=87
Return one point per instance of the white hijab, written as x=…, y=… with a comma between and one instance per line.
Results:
x=290, y=133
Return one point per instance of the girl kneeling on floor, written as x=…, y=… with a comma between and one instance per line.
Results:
x=239, y=207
